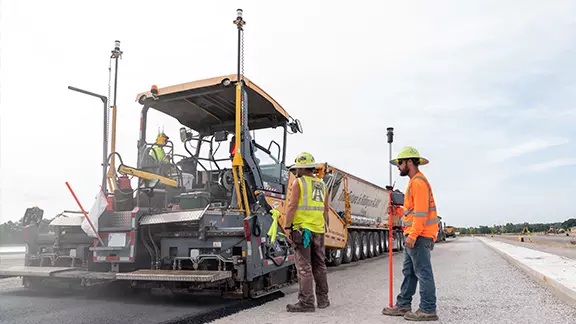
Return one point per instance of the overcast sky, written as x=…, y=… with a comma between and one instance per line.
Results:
x=484, y=89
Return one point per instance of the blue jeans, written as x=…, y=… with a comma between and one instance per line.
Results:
x=417, y=268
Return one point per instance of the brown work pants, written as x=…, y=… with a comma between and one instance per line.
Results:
x=311, y=266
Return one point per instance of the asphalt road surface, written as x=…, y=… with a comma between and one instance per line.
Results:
x=22, y=306
x=19, y=306
x=474, y=285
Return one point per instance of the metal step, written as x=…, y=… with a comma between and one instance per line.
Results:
x=175, y=275
x=173, y=217
x=81, y=274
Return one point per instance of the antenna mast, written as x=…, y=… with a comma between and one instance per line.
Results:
x=238, y=160
x=116, y=54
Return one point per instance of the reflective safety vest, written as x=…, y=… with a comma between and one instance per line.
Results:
x=310, y=211
x=157, y=153
x=420, y=217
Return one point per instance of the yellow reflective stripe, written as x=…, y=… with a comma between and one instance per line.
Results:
x=422, y=214
x=304, y=192
x=310, y=208
x=430, y=221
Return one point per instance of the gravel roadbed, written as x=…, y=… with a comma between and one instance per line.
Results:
x=474, y=285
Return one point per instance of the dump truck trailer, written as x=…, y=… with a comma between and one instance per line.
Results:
x=360, y=211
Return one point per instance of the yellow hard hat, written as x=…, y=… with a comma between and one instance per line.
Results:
x=161, y=138
x=304, y=160
x=409, y=152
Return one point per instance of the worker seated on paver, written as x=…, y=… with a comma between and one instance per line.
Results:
x=158, y=155
x=157, y=151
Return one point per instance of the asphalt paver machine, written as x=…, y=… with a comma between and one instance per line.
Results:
x=191, y=223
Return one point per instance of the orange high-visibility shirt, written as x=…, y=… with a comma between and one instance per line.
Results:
x=420, y=217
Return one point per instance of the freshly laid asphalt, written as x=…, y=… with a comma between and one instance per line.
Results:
x=474, y=285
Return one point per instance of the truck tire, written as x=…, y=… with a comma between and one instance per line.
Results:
x=356, y=246
x=376, y=242
x=348, y=251
x=384, y=241
x=335, y=257
x=363, y=245
x=371, y=246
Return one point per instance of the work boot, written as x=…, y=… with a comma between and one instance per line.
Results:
x=324, y=304
x=396, y=311
x=419, y=315
x=298, y=308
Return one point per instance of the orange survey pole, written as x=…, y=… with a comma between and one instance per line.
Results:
x=391, y=214
x=390, y=248
x=85, y=215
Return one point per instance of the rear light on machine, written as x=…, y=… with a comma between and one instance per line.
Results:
x=110, y=201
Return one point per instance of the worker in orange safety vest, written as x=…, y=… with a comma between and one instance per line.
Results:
x=420, y=230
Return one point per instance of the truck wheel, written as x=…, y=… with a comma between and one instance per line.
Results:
x=356, y=246
x=376, y=242
x=371, y=246
x=384, y=241
x=348, y=250
x=363, y=246
x=337, y=257
x=400, y=241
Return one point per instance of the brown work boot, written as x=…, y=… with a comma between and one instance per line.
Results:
x=298, y=308
x=396, y=311
x=419, y=315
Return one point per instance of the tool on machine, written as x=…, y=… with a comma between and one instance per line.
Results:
x=273, y=244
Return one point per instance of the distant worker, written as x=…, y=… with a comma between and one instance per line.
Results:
x=157, y=151
x=306, y=220
x=421, y=230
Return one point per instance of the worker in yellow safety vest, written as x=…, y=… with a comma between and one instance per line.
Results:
x=157, y=151
x=420, y=229
x=306, y=220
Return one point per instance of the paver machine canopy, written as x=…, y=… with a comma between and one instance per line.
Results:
x=207, y=111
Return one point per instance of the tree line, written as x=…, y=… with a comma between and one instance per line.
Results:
x=11, y=233
x=517, y=228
